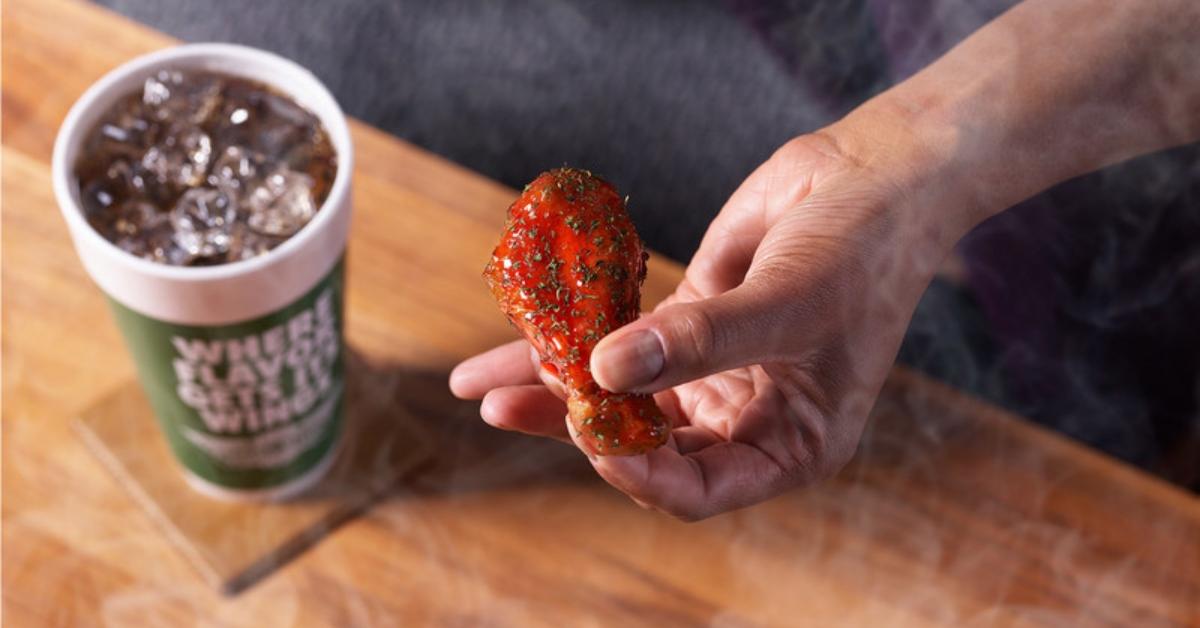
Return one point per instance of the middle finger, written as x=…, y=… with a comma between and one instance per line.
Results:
x=506, y=365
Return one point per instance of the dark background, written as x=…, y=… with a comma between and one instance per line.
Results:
x=675, y=102
x=1082, y=306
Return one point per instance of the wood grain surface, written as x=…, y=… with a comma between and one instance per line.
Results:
x=953, y=513
x=234, y=544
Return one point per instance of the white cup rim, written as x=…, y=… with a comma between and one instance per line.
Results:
x=71, y=132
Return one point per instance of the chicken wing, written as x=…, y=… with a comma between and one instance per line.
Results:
x=568, y=270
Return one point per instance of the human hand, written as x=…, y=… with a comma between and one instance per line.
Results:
x=770, y=353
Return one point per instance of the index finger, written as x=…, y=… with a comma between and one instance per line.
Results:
x=506, y=365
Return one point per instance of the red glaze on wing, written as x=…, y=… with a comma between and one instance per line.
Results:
x=568, y=270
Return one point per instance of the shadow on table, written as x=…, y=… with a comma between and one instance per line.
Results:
x=407, y=434
x=407, y=437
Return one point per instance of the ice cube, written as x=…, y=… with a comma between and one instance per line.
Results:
x=115, y=133
x=181, y=158
x=136, y=217
x=233, y=123
x=281, y=204
x=274, y=137
x=157, y=245
x=203, y=219
x=280, y=124
x=286, y=109
x=235, y=170
x=200, y=168
x=131, y=180
x=156, y=90
x=97, y=196
x=247, y=244
x=121, y=135
x=138, y=228
x=169, y=97
x=120, y=171
x=198, y=149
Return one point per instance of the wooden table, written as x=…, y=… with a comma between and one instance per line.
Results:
x=953, y=513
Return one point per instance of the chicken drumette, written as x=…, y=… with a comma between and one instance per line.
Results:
x=568, y=270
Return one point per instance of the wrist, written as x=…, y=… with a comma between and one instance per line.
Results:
x=912, y=151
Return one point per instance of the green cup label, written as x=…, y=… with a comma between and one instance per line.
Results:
x=250, y=405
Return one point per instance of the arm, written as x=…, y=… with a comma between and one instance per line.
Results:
x=770, y=354
x=1048, y=91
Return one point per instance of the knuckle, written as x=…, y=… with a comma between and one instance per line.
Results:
x=697, y=334
x=828, y=146
x=800, y=466
x=826, y=458
x=837, y=458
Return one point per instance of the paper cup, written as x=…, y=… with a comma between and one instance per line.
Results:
x=242, y=362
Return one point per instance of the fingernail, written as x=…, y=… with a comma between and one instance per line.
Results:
x=631, y=361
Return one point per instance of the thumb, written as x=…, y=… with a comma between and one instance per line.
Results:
x=686, y=341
